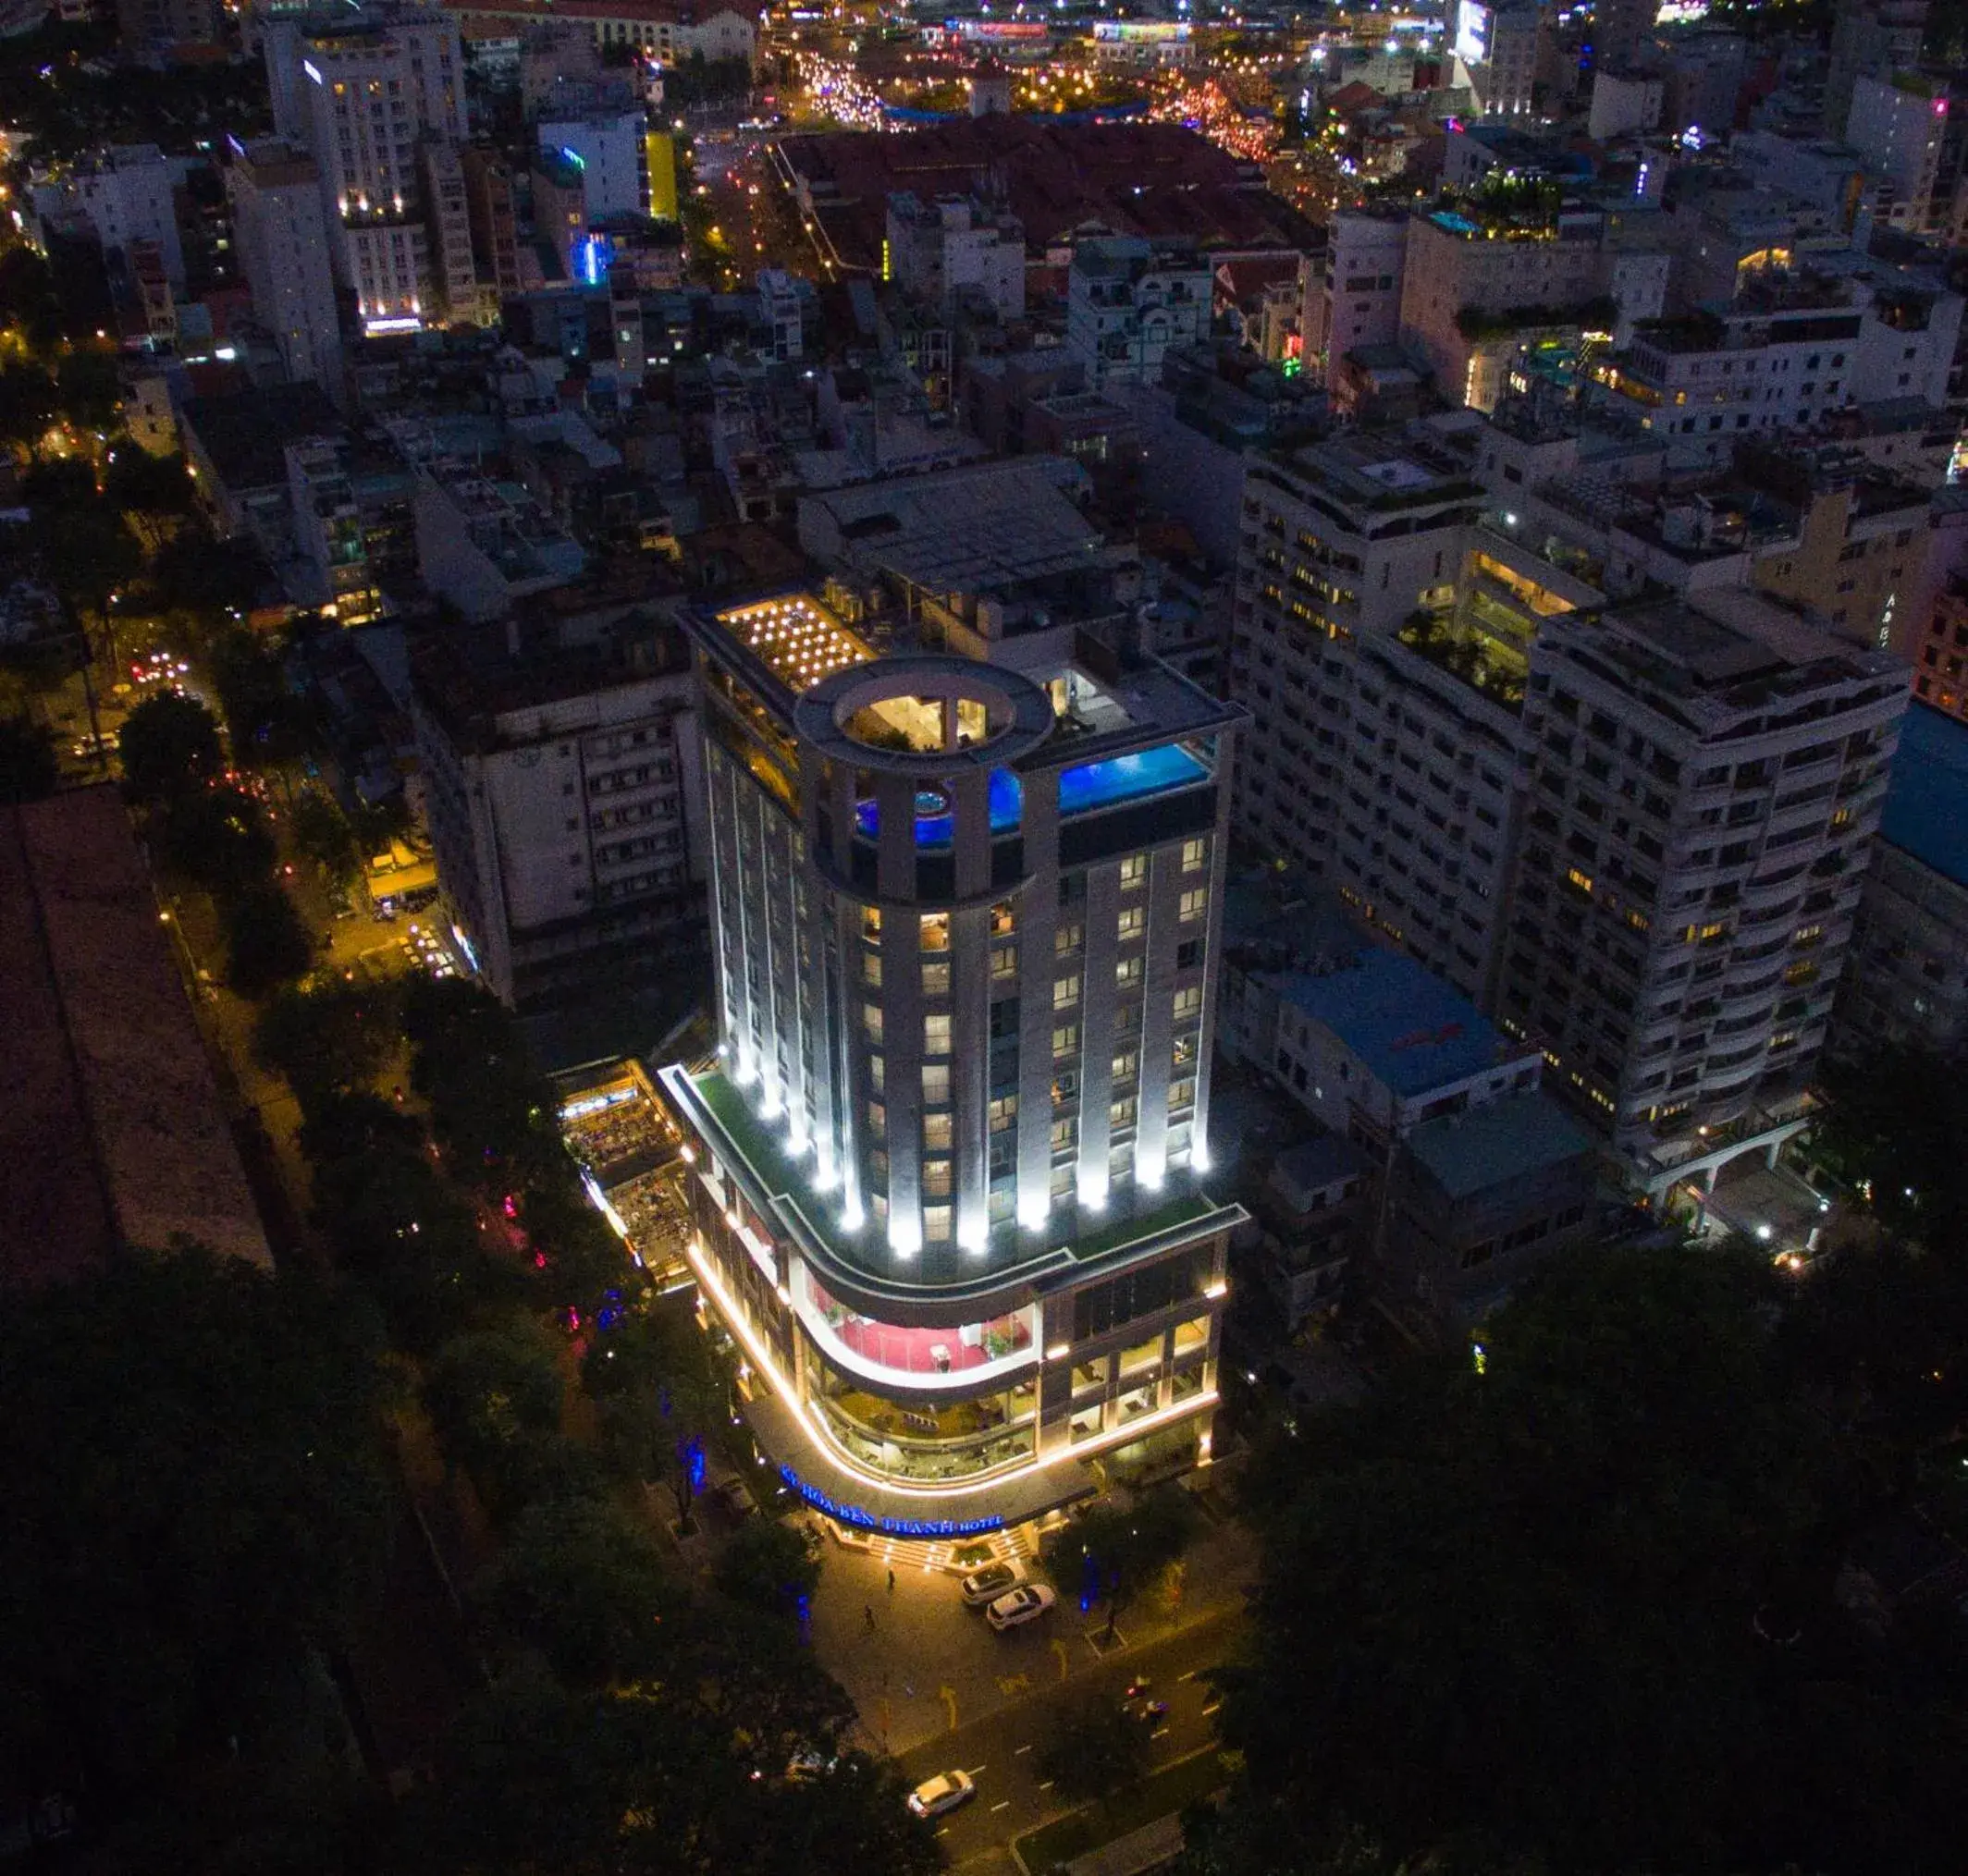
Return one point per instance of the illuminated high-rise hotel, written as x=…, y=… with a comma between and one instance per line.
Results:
x=949, y=1181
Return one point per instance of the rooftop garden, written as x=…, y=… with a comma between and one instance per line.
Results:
x=1485, y=664
x=1596, y=314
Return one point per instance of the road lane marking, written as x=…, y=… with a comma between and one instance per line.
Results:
x=971, y=1771
x=1208, y=1710
x=1021, y=1751
x=1005, y=1806
x=1047, y=1785
x=1191, y=1675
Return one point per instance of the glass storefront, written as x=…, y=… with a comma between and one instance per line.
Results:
x=924, y=1439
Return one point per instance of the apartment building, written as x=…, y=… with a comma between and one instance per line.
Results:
x=1352, y=292
x=610, y=149
x=361, y=91
x=668, y=31
x=950, y=1194
x=1706, y=780
x=1792, y=351
x=282, y=233
x=1485, y=274
x=1340, y=542
x=1912, y=132
x=1130, y=300
x=127, y=194
x=562, y=769
x=1496, y=53
x=953, y=249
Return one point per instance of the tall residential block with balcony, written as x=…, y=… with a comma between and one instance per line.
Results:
x=950, y=1169
x=1706, y=780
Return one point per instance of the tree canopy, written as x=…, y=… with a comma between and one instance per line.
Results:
x=169, y=745
x=195, y=1497
x=1574, y=1599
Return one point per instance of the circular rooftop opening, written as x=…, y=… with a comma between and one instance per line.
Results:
x=922, y=711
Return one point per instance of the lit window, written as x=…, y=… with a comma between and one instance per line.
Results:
x=1067, y=938
x=936, y=1132
x=936, y=1084
x=1126, y=1063
x=936, y=980
x=1194, y=905
x=1004, y=963
x=1004, y=1114
x=878, y=1118
x=936, y=1224
x=1195, y=855
x=1127, y=972
x=1134, y=870
x=871, y=1021
x=1583, y=881
x=936, y=1178
x=1182, y=1093
x=871, y=968
x=1134, y=921
x=1066, y=1041
x=1188, y=1002
x=936, y=1034
x=1065, y=992
x=935, y=931
x=1121, y=1111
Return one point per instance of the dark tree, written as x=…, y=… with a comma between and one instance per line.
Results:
x=663, y=1398
x=195, y=1500
x=1893, y=1126
x=268, y=723
x=1527, y=1600
x=27, y=771
x=322, y=834
x=138, y=483
x=1109, y=1554
x=1091, y=1747
x=88, y=389
x=332, y=1040
x=681, y=1776
x=218, y=838
x=169, y=745
x=27, y=405
x=770, y=1565
x=582, y=1582
x=266, y=944
x=489, y=1389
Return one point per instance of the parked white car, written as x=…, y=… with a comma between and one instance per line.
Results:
x=1026, y=1603
x=991, y=1582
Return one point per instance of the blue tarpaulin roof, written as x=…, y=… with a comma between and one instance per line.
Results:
x=1926, y=804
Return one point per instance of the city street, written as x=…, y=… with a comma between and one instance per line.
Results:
x=930, y=1654
x=999, y=1750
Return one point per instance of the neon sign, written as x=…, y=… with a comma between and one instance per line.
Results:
x=872, y=1521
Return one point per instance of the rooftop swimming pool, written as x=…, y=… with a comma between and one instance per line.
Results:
x=1456, y=224
x=1089, y=785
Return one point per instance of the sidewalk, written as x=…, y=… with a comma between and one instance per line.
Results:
x=930, y=1663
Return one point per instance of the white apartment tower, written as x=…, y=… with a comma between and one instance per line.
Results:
x=1355, y=299
x=362, y=92
x=949, y=1195
x=284, y=254
x=1704, y=789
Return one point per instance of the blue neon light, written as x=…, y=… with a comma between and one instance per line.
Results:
x=873, y=1521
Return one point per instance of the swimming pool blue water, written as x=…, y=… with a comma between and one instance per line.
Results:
x=1456, y=224
x=1091, y=785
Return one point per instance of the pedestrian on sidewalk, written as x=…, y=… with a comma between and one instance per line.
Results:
x=891, y=1582
x=869, y=1616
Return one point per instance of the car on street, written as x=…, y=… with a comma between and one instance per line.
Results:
x=943, y=1793
x=735, y=1496
x=1026, y=1603
x=989, y=1583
